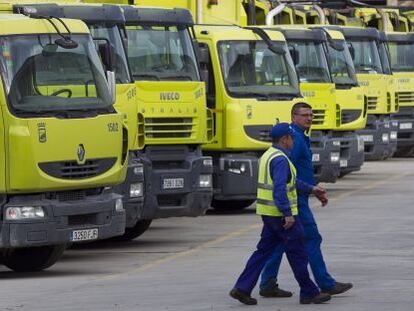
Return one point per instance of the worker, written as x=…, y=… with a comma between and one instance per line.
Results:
x=277, y=204
x=301, y=157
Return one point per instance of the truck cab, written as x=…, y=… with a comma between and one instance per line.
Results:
x=56, y=110
x=249, y=89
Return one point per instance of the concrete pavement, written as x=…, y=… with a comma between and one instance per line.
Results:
x=191, y=264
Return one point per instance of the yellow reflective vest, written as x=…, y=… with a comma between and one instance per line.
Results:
x=265, y=204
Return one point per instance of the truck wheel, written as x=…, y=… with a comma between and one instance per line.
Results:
x=32, y=258
x=231, y=205
x=131, y=233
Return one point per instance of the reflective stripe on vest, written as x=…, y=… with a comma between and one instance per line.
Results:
x=265, y=204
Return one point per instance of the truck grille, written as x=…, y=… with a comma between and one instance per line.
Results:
x=73, y=170
x=318, y=117
x=168, y=127
x=405, y=97
x=372, y=102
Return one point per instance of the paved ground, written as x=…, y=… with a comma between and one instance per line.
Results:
x=191, y=264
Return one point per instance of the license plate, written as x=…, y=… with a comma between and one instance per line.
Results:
x=173, y=183
x=84, y=235
x=343, y=163
x=316, y=157
x=367, y=138
x=406, y=126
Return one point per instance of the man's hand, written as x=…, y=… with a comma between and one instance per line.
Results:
x=320, y=194
x=318, y=190
x=289, y=221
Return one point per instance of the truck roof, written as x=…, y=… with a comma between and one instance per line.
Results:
x=15, y=24
x=89, y=13
x=356, y=32
x=230, y=32
x=157, y=16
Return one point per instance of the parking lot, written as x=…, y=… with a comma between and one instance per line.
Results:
x=192, y=263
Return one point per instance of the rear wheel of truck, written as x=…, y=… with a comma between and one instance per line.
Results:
x=231, y=205
x=32, y=259
x=131, y=233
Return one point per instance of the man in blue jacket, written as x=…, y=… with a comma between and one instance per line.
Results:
x=301, y=157
x=278, y=206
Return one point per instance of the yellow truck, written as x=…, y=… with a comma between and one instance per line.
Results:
x=170, y=108
x=56, y=112
x=251, y=86
x=336, y=151
x=102, y=21
x=400, y=45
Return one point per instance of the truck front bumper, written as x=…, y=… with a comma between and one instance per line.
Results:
x=405, y=141
x=132, y=191
x=325, y=156
x=376, y=136
x=178, y=182
x=352, y=152
x=235, y=176
x=64, y=213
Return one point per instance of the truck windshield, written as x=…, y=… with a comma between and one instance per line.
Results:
x=41, y=77
x=250, y=69
x=161, y=53
x=112, y=34
x=401, y=56
x=366, y=56
x=341, y=65
x=311, y=63
x=385, y=58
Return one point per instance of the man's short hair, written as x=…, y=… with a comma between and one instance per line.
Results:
x=298, y=106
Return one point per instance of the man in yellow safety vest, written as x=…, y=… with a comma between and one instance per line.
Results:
x=277, y=204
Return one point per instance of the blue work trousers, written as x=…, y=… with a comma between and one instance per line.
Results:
x=274, y=235
x=313, y=246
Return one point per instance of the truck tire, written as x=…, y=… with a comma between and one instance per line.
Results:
x=131, y=233
x=234, y=205
x=32, y=259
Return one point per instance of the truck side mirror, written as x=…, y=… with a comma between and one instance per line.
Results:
x=204, y=62
x=107, y=53
x=295, y=55
x=351, y=51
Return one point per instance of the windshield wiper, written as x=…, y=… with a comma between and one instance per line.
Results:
x=254, y=94
x=179, y=77
x=146, y=75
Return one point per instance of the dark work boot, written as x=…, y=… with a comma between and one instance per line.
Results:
x=338, y=288
x=242, y=297
x=272, y=290
x=321, y=298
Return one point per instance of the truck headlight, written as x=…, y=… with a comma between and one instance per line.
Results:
x=136, y=190
x=387, y=125
x=25, y=212
x=119, y=206
x=394, y=123
x=208, y=162
x=335, y=157
x=361, y=144
x=139, y=170
x=393, y=135
x=205, y=181
x=336, y=143
x=385, y=137
x=236, y=167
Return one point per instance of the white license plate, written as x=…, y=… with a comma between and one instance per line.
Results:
x=406, y=126
x=173, y=183
x=316, y=157
x=367, y=138
x=84, y=235
x=343, y=163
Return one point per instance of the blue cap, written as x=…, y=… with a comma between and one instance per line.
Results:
x=281, y=129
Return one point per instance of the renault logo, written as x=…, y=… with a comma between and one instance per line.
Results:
x=81, y=153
